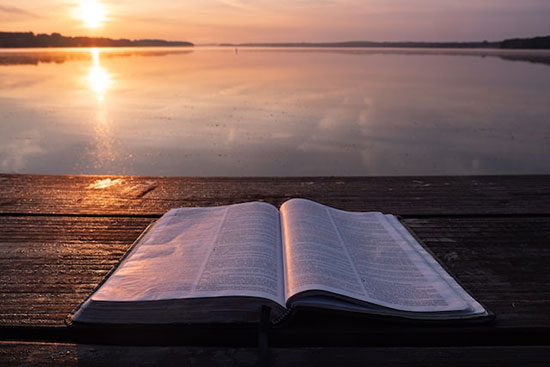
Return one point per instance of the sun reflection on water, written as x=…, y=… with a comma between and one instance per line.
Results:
x=99, y=79
x=103, y=152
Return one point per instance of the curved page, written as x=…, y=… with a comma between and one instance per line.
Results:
x=203, y=252
x=359, y=255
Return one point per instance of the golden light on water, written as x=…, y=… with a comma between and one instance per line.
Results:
x=103, y=150
x=99, y=79
x=92, y=13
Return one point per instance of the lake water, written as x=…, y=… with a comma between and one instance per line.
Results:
x=280, y=112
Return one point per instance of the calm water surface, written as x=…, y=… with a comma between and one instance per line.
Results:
x=282, y=112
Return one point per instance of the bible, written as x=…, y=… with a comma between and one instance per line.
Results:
x=221, y=264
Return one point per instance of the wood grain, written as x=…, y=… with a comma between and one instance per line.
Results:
x=69, y=355
x=60, y=235
x=114, y=195
x=50, y=264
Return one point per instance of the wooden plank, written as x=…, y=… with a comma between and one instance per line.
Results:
x=503, y=261
x=51, y=263
x=71, y=230
x=67, y=355
x=102, y=195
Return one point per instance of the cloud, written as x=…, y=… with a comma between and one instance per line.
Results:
x=12, y=13
x=234, y=4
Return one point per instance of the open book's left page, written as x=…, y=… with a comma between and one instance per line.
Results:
x=230, y=250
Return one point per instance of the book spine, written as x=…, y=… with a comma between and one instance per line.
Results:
x=283, y=317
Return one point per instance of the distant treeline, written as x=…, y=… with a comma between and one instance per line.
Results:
x=530, y=43
x=29, y=39
x=373, y=44
x=518, y=43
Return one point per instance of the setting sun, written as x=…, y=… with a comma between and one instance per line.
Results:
x=93, y=13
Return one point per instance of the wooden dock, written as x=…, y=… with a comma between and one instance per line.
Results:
x=60, y=235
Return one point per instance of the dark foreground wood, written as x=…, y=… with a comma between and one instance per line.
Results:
x=60, y=235
x=118, y=356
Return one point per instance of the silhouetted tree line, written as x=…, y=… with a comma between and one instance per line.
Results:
x=525, y=43
x=530, y=43
x=29, y=39
x=484, y=44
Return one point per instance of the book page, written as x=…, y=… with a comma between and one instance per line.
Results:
x=360, y=255
x=230, y=250
x=407, y=236
x=314, y=256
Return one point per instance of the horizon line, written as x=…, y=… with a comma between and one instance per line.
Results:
x=302, y=42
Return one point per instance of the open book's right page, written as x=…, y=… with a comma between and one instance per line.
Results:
x=364, y=256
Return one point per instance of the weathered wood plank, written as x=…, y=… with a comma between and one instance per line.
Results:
x=50, y=264
x=54, y=262
x=503, y=261
x=104, y=195
x=25, y=354
x=71, y=230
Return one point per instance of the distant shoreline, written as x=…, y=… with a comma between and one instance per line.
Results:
x=541, y=43
x=31, y=40
x=56, y=40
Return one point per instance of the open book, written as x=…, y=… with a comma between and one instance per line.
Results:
x=220, y=264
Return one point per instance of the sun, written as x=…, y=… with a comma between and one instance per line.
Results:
x=93, y=13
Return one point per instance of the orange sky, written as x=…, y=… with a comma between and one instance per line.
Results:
x=212, y=21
